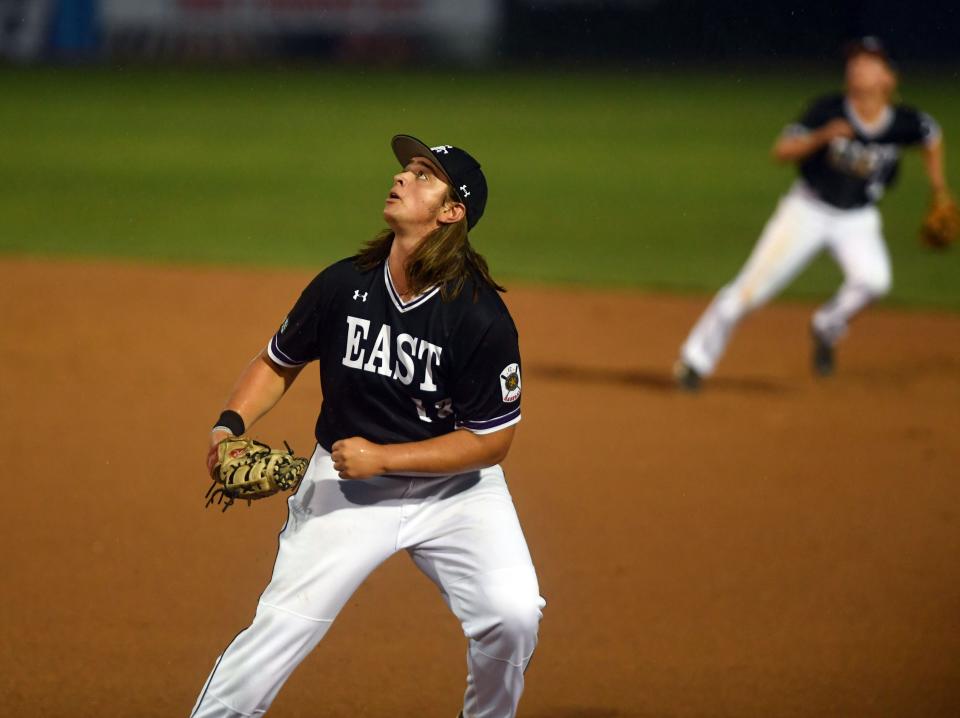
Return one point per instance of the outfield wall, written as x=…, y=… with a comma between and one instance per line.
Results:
x=464, y=30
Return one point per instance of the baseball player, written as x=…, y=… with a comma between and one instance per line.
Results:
x=420, y=371
x=847, y=149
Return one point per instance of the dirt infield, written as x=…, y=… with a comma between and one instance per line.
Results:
x=776, y=546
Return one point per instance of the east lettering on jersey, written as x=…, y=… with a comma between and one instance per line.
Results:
x=394, y=371
x=850, y=173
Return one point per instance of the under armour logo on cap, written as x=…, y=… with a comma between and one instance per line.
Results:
x=463, y=171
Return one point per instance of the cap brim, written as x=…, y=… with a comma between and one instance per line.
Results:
x=406, y=147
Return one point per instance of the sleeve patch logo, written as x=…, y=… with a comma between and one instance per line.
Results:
x=283, y=327
x=510, y=383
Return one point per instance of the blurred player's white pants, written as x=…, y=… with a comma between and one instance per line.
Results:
x=800, y=228
x=461, y=531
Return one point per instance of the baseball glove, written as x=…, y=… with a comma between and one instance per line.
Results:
x=941, y=225
x=248, y=469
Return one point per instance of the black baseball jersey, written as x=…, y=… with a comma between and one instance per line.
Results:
x=394, y=371
x=849, y=173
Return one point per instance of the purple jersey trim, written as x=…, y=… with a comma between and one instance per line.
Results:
x=492, y=429
x=486, y=425
x=395, y=295
x=281, y=357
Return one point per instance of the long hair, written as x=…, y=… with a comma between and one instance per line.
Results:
x=444, y=258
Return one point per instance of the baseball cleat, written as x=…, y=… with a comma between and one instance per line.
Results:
x=823, y=360
x=686, y=376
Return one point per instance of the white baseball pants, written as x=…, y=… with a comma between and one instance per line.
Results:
x=461, y=531
x=800, y=228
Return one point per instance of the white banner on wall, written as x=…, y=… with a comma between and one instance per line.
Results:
x=466, y=26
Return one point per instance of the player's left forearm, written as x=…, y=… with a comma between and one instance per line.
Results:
x=451, y=453
x=933, y=163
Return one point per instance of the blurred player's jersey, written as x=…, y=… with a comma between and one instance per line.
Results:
x=393, y=371
x=849, y=173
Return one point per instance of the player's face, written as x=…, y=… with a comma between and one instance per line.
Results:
x=870, y=73
x=418, y=196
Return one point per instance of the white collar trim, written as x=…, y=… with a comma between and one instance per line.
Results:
x=878, y=127
x=402, y=306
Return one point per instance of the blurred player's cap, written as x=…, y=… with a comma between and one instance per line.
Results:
x=868, y=45
x=466, y=177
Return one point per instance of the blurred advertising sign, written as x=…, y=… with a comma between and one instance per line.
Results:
x=33, y=29
x=465, y=27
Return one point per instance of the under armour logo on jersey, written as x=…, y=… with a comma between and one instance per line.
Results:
x=357, y=295
x=463, y=189
x=442, y=149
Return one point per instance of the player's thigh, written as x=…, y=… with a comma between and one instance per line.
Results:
x=337, y=532
x=857, y=245
x=793, y=235
x=478, y=555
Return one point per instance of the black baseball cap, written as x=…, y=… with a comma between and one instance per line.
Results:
x=463, y=171
x=868, y=45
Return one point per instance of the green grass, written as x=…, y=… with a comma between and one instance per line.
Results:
x=651, y=179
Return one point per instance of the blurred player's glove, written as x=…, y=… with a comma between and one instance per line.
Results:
x=248, y=469
x=941, y=225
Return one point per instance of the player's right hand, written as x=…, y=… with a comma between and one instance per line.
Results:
x=357, y=458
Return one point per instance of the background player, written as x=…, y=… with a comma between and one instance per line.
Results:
x=420, y=371
x=846, y=146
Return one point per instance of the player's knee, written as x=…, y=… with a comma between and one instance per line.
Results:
x=874, y=284
x=877, y=284
x=521, y=616
x=515, y=617
x=505, y=615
